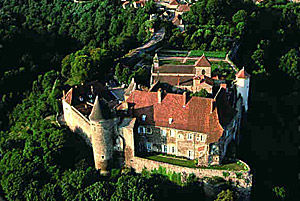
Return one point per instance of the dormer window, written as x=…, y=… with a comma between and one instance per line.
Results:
x=144, y=117
x=170, y=120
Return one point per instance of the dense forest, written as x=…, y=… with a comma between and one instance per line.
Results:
x=46, y=45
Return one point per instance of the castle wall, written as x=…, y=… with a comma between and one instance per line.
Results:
x=243, y=183
x=77, y=122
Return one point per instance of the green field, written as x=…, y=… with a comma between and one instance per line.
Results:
x=198, y=53
x=176, y=62
x=193, y=53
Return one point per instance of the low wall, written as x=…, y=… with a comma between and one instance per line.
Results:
x=243, y=183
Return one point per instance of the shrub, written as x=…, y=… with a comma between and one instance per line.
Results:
x=226, y=174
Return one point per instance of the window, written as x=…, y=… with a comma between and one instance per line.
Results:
x=198, y=138
x=144, y=117
x=149, y=146
x=164, y=148
x=170, y=120
x=203, y=72
x=202, y=138
x=190, y=154
x=80, y=98
x=172, y=133
x=141, y=129
x=173, y=150
x=149, y=130
x=190, y=136
x=102, y=157
x=179, y=136
x=163, y=132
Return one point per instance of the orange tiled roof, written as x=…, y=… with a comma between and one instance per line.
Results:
x=242, y=74
x=199, y=114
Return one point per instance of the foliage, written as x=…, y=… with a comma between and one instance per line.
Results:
x=86, y=65
x=279, y=192
x=226, y=174
x=201, y=93
x=227, y=195
x=290, y=63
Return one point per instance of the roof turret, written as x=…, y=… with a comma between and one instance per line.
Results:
x=242, y=74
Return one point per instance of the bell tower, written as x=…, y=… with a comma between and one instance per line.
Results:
x=203, y=66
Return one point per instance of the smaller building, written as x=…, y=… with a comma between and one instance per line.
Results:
x=192, y=77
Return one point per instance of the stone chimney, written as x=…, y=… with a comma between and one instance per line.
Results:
x=159, y=95
x=184, y=99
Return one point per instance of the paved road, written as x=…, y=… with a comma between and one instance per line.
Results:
x=156, y=38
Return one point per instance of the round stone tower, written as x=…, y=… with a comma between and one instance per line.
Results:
x=242, y=85
x=102, y=130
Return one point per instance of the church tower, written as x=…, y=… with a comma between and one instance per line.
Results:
x=242, y=85
x=203, y=66
x=102, y=130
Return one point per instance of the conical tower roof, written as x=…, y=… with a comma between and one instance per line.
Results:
x=96, y=114
x=242, y=73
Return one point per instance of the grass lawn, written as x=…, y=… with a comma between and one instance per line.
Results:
x=174, y=161
x=229, y=166
x=191, y=164
x=176, y=62
x=198, y=53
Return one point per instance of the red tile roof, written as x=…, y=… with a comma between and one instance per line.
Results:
x=173, y=80
x=202, y=62
x=242, y=74
x=186, y=69
x=195, y=116
x=174, y=2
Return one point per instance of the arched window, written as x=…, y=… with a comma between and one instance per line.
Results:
x=203, y=72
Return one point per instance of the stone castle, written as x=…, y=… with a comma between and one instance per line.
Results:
x=151, y=120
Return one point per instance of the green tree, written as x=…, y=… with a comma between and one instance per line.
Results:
x=201, y=93
x=290, y=63
x=227, y=195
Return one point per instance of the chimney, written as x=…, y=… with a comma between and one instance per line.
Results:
x=159, y=95
x=92, y=89
x=213, y=102
x=184, y=99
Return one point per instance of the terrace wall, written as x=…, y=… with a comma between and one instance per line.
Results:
x=243, y=184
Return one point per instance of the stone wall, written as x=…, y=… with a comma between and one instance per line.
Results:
x=243, y=183
x=77, y=122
